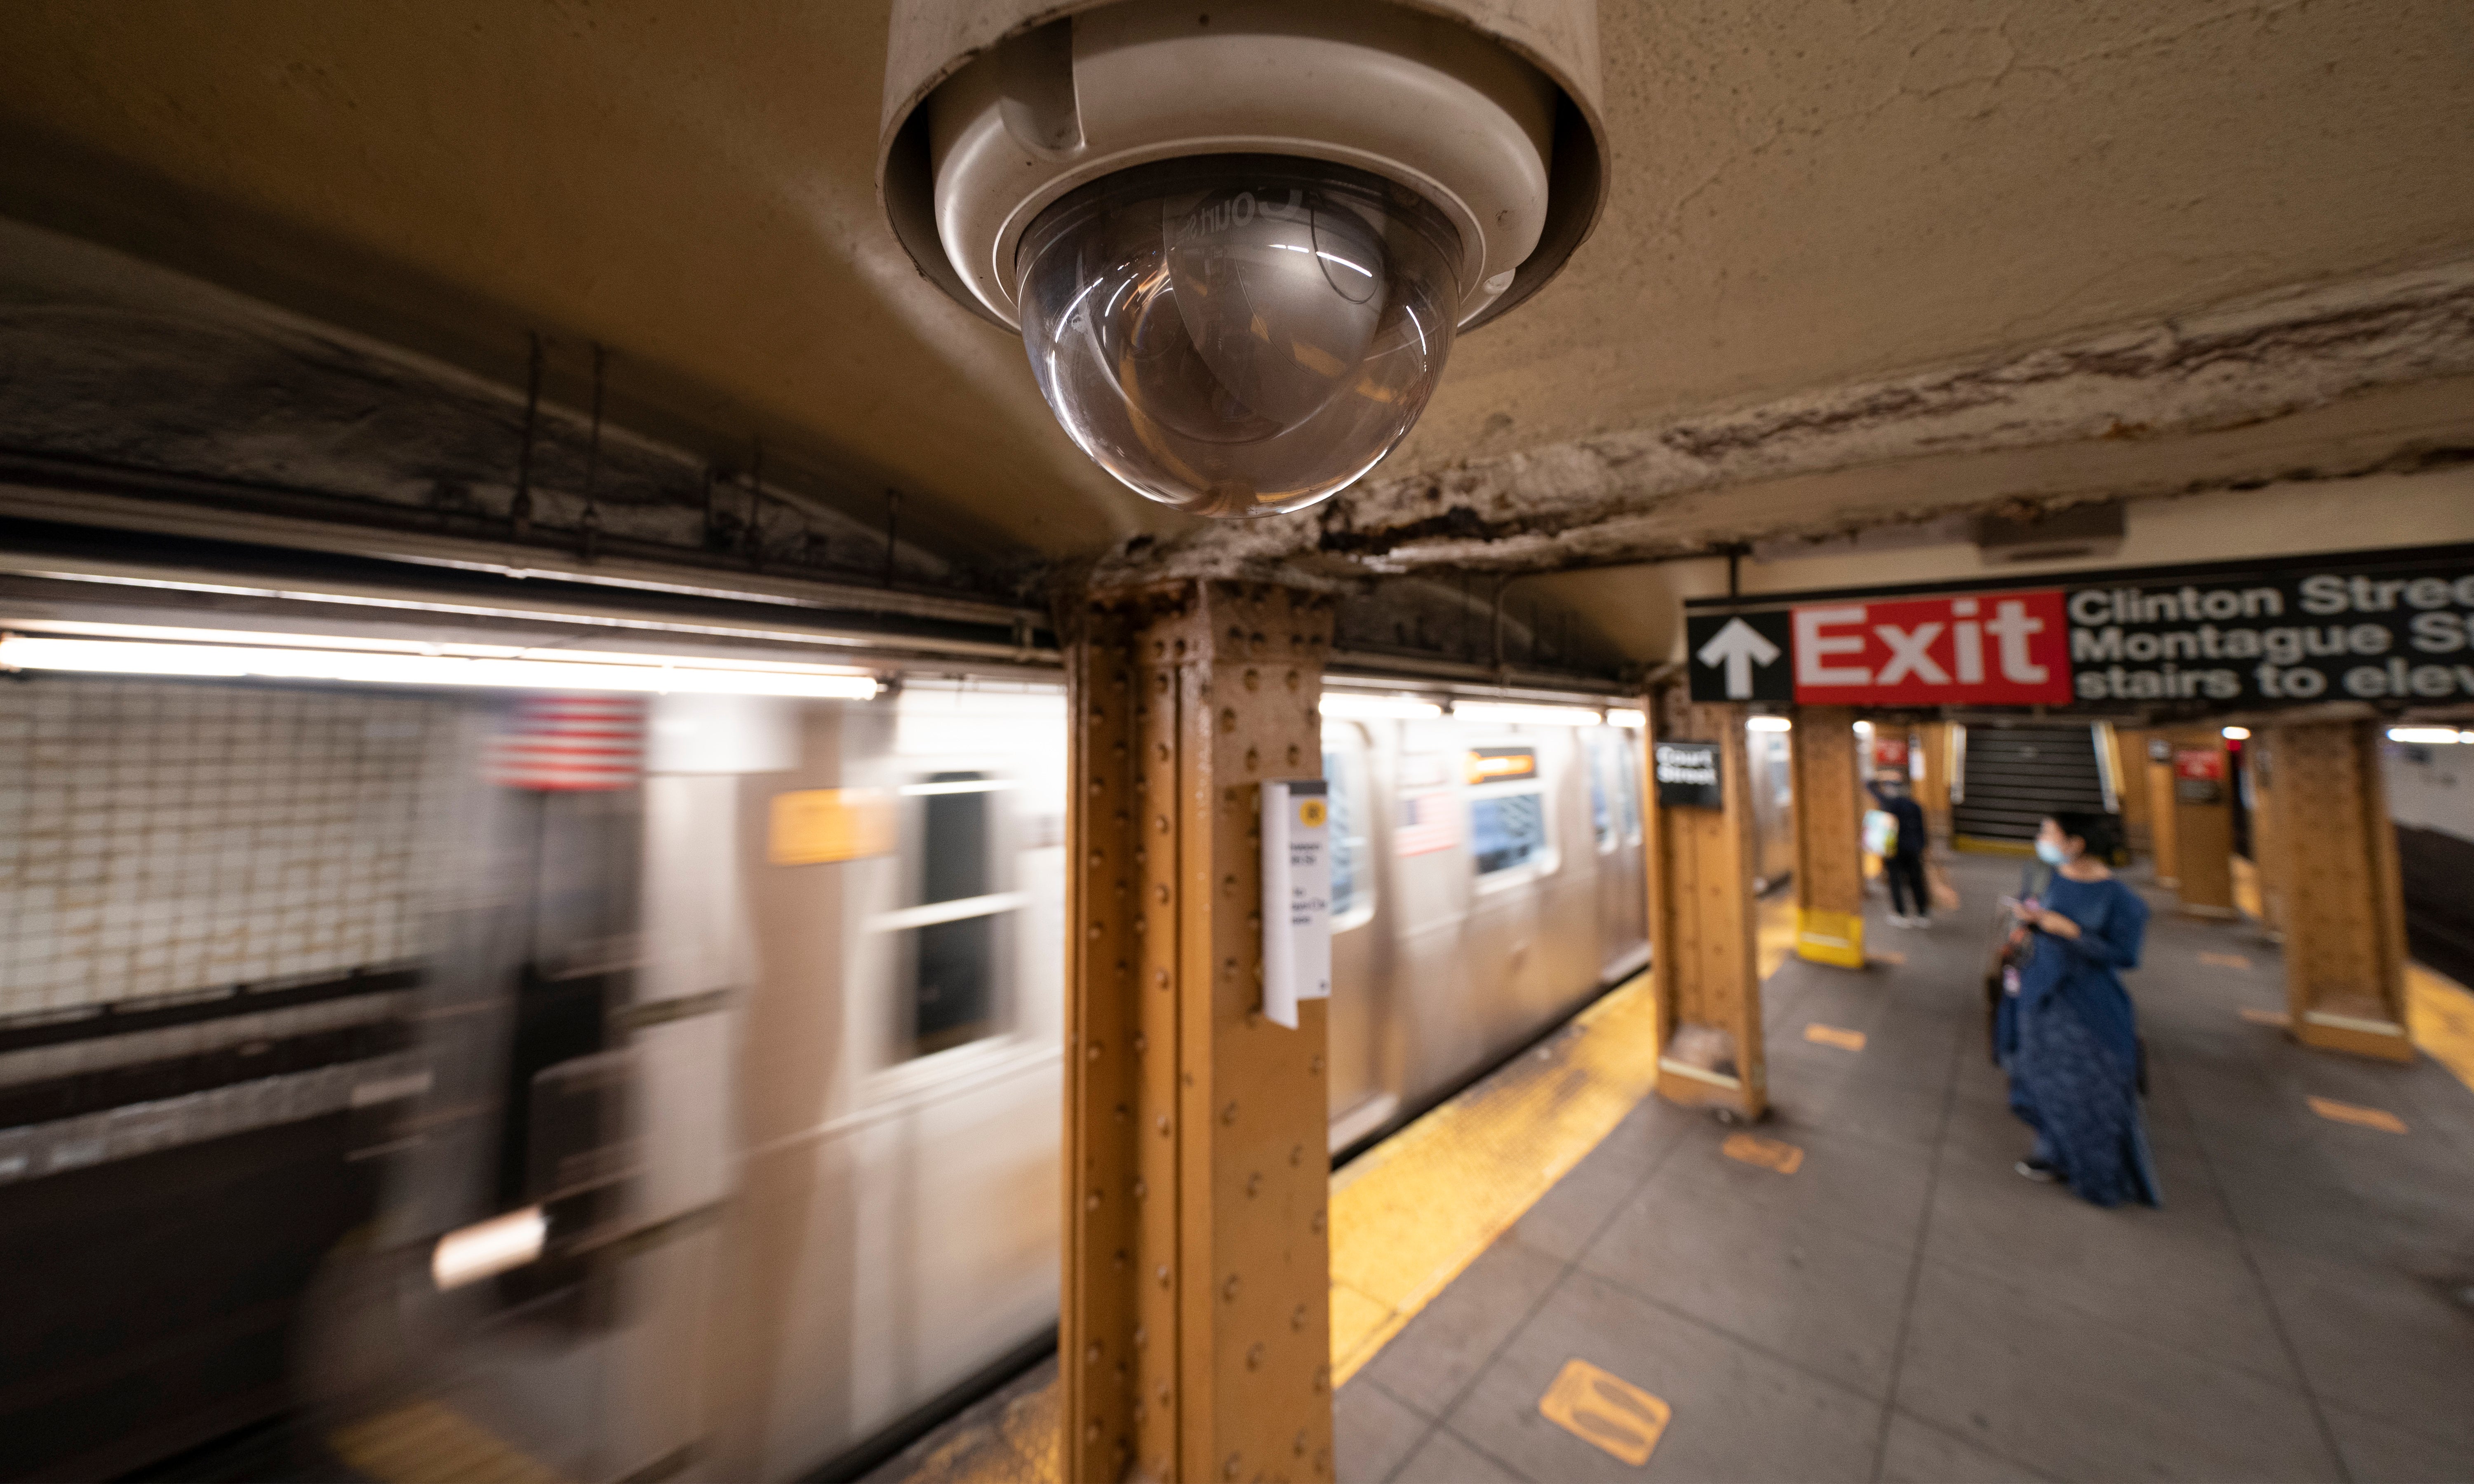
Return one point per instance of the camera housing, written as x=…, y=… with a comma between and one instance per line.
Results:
x=1238, y=242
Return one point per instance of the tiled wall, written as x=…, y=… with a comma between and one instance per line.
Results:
x=159, y=836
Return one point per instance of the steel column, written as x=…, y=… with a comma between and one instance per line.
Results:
x=1703, y=969
x=1195, y=1336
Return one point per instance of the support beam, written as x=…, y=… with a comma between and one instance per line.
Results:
x=1932, y=791
x=2130, y=789
x=1703, y=970
x=2268, y=853
x=2165, y=840
x=1828, y=855
x=2203, y=822
x=1195, y=1341
x=2344, y=905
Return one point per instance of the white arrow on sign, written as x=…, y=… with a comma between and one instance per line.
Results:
x=1738, y=646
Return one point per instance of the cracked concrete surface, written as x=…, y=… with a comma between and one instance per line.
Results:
x=2156, y=390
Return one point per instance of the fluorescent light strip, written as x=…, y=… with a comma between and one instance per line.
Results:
x=1768, y=723
x=648, y=673
x=1358, y=706
x=2429, y=735
x=488, y=1248
x=2234, y=734
x=1626, y=716
x=1504, y=714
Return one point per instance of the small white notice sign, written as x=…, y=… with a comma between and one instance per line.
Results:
x=1297, y=876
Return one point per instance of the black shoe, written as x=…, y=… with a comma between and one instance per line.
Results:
x=2038, y=1170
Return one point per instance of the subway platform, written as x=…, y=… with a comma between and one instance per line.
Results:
x=1864, y=1289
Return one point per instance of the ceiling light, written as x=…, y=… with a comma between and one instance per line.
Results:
x=1768, y=723
x=1348, y=705
x=1505, y=714
x=451, y=665
x=1626, y=716
x=2429, y=735
x=2237, y=734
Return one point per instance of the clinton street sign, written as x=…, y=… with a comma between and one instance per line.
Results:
x=2394, y=628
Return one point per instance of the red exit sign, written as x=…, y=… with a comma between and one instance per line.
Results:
x=1976, y=648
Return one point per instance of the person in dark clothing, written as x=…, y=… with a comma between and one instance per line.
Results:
x=1904, y=866
x=2072, y=1037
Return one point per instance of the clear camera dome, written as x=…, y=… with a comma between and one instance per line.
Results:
x=1239, y=334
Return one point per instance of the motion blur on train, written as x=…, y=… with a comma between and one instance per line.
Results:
x=696, y=1111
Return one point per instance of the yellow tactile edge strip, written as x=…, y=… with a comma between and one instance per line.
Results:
x=2440, y=1013
x=1409, y=1216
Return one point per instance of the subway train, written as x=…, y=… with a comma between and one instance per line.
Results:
x=829, y=1138
x=690, y=1110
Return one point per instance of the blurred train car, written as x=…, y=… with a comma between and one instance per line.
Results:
x=838, y=1048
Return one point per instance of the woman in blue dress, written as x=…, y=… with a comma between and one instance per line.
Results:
x=2071, y=1044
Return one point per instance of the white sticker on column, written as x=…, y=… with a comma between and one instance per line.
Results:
x=1296, y=871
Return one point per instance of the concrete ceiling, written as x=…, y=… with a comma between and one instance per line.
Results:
x=1860, y=263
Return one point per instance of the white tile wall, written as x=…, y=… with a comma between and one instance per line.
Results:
x=157, y=837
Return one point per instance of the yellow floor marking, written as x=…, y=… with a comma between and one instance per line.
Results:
x=1833, y=1036
x=1409, y=1216
x=2440, y=1012
x=2225, y=960
x=1775, y=933
x=2247, y=896
x=2357, y=1115
x=428, y=1442
x=2258, y=1017
x=1767, y=1153
x=1603, y=1409
x=1885, y=956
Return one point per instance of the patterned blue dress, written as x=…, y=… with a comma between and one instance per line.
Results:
x=2074, y=1057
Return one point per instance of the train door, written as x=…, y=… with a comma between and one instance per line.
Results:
x=1614, y=822
x=1357, y=1100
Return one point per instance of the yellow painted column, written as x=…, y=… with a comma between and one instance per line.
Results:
x=2203, y=822
x=1703, y=969
x=2161, y=816
x=2131, y=782
x=1829, y=853
x=2343, y=903
x=1932, y=792
x=1195, y=1338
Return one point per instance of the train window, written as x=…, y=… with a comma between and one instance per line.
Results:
x=1628, y=786
x=1353, y=881
x=953, y=949
x=1507, y=811
x=1507, y=829
x=1603, y=820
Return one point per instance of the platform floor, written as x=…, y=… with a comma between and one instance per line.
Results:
x=1903, y=1306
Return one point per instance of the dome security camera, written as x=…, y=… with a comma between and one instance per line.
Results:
x=1238, y=239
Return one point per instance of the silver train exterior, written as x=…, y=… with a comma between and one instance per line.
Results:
x=841, y=1059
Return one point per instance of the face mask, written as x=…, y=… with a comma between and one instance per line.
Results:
x=2049, y=853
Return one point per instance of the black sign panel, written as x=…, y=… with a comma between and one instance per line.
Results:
x=2391, y=628
x=2393, y=633
x=1740, y=657
x=1688, y=775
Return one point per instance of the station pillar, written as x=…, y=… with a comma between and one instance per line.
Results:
x=2130, y=761
x=1195, y=1338
x=2163, y=844
x=2335, y=870
x=1828, y=854
x=1932, y=790
x=2200, y=783
x=1703, y=970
